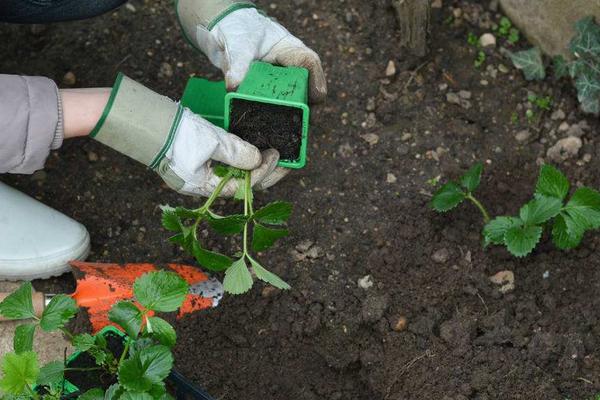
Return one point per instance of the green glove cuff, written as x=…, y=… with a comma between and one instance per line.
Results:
x=138, y=122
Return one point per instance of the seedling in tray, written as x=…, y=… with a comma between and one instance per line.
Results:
x=568, y=220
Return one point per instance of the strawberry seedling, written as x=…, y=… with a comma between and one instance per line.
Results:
x=567, y=220
x=267, y=225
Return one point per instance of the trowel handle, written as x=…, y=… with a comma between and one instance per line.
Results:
x=40, y=300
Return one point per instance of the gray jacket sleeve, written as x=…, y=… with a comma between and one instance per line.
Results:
x=30, y=122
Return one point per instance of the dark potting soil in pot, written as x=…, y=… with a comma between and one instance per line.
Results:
x=268, y=126
x=86, y=380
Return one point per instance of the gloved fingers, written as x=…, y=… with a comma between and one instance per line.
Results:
x=275, y=176
x=290, y=52
x=269, y=164
x=236, y=152
x=239, y=54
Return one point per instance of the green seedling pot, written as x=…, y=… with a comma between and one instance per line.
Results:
x=264, y=83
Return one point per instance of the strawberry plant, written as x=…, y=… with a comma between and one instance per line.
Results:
x=139, y=371
x=267, y=225
x=567, y=220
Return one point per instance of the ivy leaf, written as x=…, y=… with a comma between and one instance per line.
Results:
x=521, y=240
x=128, y=316
x=210, y=260
x=92, y=394
x=530, y=62
x=19, y=371
x=263, y=237
x=586, y=42
x=58, y=312
x=18, y=305
x=83, y=341
x=23, y=339
x=51, y=373
x=447, y=197
x=588, y=92
x=275, y=213
x=471, y=179
x=560, y=66
x=540, y=210
x=162, y=331
x=552, y=183
x=147, y=367
x=237, y=278
x=494, y=231
x=229, y=225
x=267, y=276
x=563, y=237
x=162, y=291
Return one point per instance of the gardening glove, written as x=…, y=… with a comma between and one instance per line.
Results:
x=178, y=144
x=234, y=33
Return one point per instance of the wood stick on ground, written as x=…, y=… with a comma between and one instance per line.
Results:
x=413, y=17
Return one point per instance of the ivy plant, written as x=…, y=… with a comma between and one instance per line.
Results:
x=140, y=370
x=259, y=230
x=567, y=219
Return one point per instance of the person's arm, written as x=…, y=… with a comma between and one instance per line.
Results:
x=82, y=108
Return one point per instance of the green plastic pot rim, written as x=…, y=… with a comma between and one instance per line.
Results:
x=300, y=162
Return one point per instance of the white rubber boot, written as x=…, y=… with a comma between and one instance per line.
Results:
x=36, y=241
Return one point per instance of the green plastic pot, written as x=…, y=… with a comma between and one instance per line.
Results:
x=264, y=83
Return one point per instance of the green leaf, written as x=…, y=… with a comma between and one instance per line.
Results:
x=58, y=312
x=113, y=392
x=93, y=394
x=447, y=197
x=586, y=42
x=23, y=339
x=51, y=373
x=267, y=276
x=552, y=183
x=494, y=231
x=588, y=92
x=220, y=170
x=136, y=396
x=162, y=331
x=540, y=210
x=83, y=342
x=19, y=371
x=228, y=225
x=521, y=240
x=561, y=67
x=210, y=260
x=162, y=291
x=128, y=316
x=471, y=179
x=18, y=305
x=563, y=237
x=530, y=62
x=263, y=237
x=150, y=366
x=237, y=278
x=275, y=213
x=170, y=220
x=581, y=213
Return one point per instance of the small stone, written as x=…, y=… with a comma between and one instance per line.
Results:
x=365, y=282
x=587, y=157
x=130, y=7
x=304, y=245
x=452, y=98
x=464, y=94
x=487, y=40
x=268, y=291
x=436, y=4
x=443, y=87
x=391, y=178
x=523, y=136
x=564, y=126
x=546, y=275
x=92, y=157
x=558, y=115
x=564, y=149
x=370, y=138
x=314, y=252
x=166, y=70
x=69, y=79
x=39, y=176
x=506, y=280
x=503, y=68
x=441, y=256
x=390, y=70
x=575, y=130
x=370, y=104
x=400, y=324
x=457, y=12
x=406, y=136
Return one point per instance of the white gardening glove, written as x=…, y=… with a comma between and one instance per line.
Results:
x=245, y=35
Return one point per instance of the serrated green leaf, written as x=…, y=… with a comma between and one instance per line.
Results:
x=128, y=316
x=237, y=278
x=495, y=230
x=563, y=237
x=51, y=373
x=93, y=394
x=18, y=305
x=162, y=291
x=113, y=392
x=263, y=237
x=530, y=62
x=210, y=260
x=158, y=391
x=582, y=212
x=136, y=396
x=170, y=220
x=23, y=338
x=447, y=197
x=521, y=240
x=162, y=331
x=540, y=210
x=471, y=179
x=220, y=170
x=560, y=66
x=148, y=367
x=58, y=312
x=83, y=341
x=552, y=183
x=229, y=225
x=275, y=213
x=18, y=371
x=267, y=276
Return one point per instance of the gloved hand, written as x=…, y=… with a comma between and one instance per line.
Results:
x=178, y=144
x=233, y=34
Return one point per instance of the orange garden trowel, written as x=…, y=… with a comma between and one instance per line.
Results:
x=101, y=285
